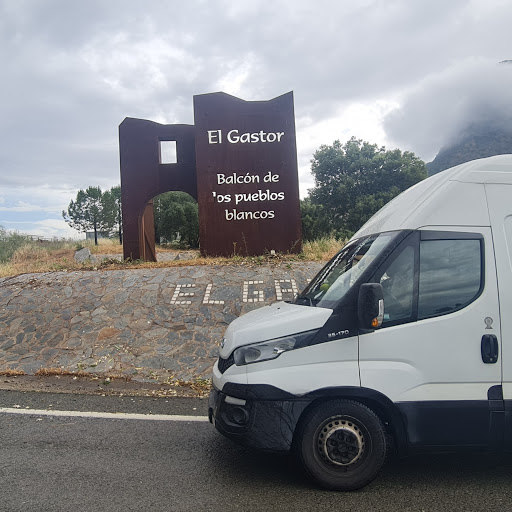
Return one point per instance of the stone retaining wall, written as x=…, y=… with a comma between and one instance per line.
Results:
x=143, y=323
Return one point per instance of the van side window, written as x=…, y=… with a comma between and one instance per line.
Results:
x=398, y=287
x=450, y=275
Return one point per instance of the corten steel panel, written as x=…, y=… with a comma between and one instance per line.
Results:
x=220, y=231
x=147, y=234
x=143, y=176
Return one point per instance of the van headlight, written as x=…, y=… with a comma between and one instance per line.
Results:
x=271, y=349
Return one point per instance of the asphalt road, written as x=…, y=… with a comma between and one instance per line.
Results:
x=78, y=464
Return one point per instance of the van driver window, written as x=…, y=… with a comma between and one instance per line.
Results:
x=398, y=287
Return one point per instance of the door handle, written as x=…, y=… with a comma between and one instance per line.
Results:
x=489, y=348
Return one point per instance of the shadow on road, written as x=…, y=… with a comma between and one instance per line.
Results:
x=449, y=481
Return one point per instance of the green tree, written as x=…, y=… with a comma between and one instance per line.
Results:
x=176, y=217
x=314, y=220
x=88, y=212
x=113, y=211
x=355, y=179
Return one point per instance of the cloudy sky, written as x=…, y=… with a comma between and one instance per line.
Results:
x=399, y=73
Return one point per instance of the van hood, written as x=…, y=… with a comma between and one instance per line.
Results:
x=269, y=322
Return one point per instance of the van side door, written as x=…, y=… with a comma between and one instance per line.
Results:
x=433, y=356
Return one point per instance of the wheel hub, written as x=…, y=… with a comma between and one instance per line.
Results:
x=341, y=442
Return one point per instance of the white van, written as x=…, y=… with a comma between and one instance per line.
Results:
x=401, y=340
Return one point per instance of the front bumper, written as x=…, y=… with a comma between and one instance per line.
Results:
x=254, y=422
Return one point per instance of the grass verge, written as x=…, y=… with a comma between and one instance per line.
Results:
x=54, y=256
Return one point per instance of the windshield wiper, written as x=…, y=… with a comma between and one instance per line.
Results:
x=307, y=300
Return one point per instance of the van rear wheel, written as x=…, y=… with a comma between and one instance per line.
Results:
x=342, y=444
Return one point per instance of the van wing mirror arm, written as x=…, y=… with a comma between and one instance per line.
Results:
x=370, y=306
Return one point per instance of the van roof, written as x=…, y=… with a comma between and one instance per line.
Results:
x=495, y=169
x=454, y=197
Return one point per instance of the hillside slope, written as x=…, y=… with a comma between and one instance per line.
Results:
x=478, y=141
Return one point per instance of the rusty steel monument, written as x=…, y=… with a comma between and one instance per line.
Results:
x=238, y=160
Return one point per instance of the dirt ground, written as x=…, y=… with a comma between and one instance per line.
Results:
x=94, y=385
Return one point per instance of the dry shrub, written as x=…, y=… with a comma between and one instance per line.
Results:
x=48, y=372
x=322, y=249
x=7, y=269
x=11, y=373
x=105, y=246
x=29, y=253
x=40, y=257
x=60, y=372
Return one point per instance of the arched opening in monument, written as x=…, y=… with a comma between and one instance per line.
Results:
x=176, y=220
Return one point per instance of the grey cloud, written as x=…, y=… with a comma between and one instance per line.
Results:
x=438, y=111
x=72, y=71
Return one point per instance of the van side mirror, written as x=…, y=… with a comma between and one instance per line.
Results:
x=370, y=306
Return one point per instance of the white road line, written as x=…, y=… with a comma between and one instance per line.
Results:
x=102, y=415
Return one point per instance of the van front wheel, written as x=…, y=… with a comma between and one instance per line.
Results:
x=342, y=444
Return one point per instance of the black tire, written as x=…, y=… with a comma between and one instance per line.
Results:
x=342, y=444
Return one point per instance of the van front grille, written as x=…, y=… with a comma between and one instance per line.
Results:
x=224, y=364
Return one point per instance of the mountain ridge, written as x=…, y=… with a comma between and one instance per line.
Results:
x=476, y=141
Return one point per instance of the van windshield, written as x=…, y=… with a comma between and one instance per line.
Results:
x=340, y=274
